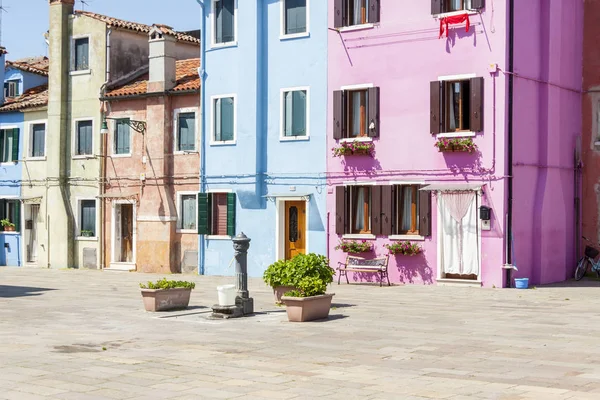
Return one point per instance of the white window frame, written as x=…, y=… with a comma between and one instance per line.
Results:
x=213, y=142
x=282, y=34
x=19, y=83
x=72, y=70
x=469, y=11
x=16, y=198
x=282, y=136
x=113, y=129
x=176, y=113
x=6, y=127
x=78, y=220
x=213, y=36
x=179, y=228
x=75, y=142
x=221, y=191
x=462, y=77
x=29, y=146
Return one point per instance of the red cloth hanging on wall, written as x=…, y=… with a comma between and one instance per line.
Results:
x=455, y=19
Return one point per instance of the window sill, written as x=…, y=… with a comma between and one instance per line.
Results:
x=185, y=231
x=86, y=239
x=456, y=134
x=121, y=155
x=356, y=27
x=597, y=143
x=217, y=46
x=185, y=152
x=84, y=157
x=356, y=139
x=218, y=237
x=408, y=237
x=36, y=158
x=10, y=233
x=359, y=236
x=293, y=138
x=82, y=72
x=294, y=36
x=226, y=143
x=8, y=163
x=453, y=13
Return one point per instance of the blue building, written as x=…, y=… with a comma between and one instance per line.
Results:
x=23, y=80
x=264, y=119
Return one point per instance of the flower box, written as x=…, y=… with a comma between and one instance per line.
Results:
x=354, y=247
x=354, y=148
x=404, y=248
x=463, y=145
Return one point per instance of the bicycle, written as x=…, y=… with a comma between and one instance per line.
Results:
x=590, y=254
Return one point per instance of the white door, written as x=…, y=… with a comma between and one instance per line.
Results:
x=459, y=235
x=33, y=235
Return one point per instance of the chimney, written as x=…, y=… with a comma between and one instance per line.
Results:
x=2, y=72
x=162, y=59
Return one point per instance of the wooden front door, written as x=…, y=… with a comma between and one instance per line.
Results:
x=295, y=228
x=126, y=233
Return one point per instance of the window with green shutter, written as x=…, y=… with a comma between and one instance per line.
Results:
x=122, y=139
x=38, y=140
x=83, y=145
x=82, y=54
x=11, y=210
x=294, y=16
x=295, y=113
x=217, y=214
x=186, y=132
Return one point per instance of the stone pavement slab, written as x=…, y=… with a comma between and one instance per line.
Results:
x=67, y=334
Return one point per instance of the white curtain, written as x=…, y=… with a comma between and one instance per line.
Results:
x=459, y=236
x=356, y=113
x=359, y=215
x=357, y=12
x=454, y=93
x=406, y=208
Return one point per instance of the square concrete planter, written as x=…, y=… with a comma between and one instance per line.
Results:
x=301, y=309
x=166, y=299
x=279, y=291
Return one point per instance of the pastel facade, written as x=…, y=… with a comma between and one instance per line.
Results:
x=265, y=125
x=395, y=84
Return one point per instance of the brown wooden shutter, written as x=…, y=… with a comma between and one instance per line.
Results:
x=340, y=210
x=436, y=6
x=435, y=94
x=476, y=104
x=424, y=213
x=373, y=116
x=338, y=114
x=376, y=210
x=338, y=14
x=387, y=209
x=477, y=4
x=374, y=11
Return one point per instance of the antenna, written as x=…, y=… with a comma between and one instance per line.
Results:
x=2, y=10
x=83, y=3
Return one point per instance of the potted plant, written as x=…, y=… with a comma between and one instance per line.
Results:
x=355, y=247
x=310, y=274
x=85, y=233
x=456, y=145
x=7, y=225
x=404, y=248
x=165, y=295
x=277, y=276
x=354, y=148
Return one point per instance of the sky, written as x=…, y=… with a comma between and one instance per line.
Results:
x=25, y=21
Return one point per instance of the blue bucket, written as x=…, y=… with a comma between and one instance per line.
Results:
x=521, y=283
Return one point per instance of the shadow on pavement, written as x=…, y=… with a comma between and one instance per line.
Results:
x=21, y=291
x=572, y=283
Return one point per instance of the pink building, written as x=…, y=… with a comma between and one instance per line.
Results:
x=482, y=120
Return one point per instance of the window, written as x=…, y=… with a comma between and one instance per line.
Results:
x=83, y=140
x=387, y=210
x=295, y=121
x=355, y=12
x=445, y=6
x=294, y=17
x=356, y=113
x=12, y=88
x=11, y=210
x=38, y=140
x=456, y=106
x=122, y=140
x=186, y=131
x=224, y=20
x=224, y=119
x=216, y=214
x=187, y=212
x=81, y=57
x=87, y=218
x=9, y=145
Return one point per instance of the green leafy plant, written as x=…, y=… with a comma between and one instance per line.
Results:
x=404, y=248
x=456, y=144
x=354, y=147
x=6, y=223
x=166, y=284
x=278, y=274
x=354, y=247
x=87, y=233
x=309, y=274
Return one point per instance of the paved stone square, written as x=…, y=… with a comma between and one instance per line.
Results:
x=84, y=335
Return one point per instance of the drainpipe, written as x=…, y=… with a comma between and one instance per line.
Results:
x=201, y=70
x=509, y=228
x=102, y=156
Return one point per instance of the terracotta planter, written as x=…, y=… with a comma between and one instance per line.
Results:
x=166, y=299
x=302, y=309
x=279, y=291
x=9, y=229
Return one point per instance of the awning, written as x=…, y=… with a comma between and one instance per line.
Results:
x=31, y=200
x=452, y=186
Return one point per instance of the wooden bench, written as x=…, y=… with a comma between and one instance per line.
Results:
x=359, y=264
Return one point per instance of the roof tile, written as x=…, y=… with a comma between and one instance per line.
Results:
x=32, y=98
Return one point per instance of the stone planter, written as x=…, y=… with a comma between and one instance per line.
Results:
x=279, y=291
x=166, y=299
x=302, y=309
